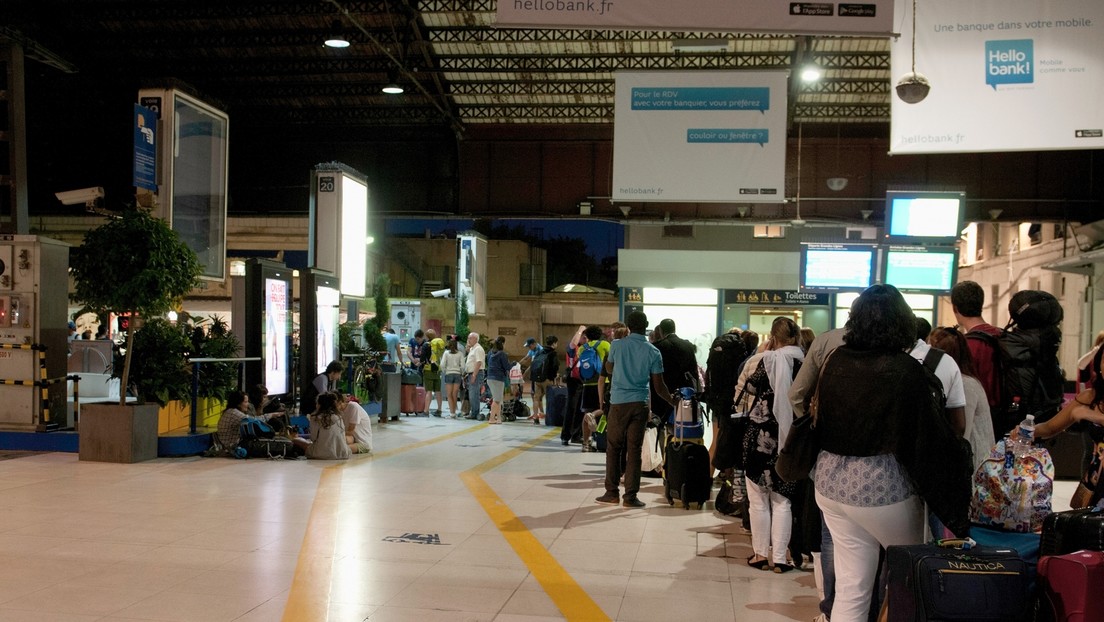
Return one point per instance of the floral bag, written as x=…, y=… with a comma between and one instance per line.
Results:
x=1013, y=493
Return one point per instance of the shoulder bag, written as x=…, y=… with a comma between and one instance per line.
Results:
x=799, y=455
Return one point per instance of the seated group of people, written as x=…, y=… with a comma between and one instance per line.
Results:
x=339, y=426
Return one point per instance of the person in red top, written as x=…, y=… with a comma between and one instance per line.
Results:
x=967, y=299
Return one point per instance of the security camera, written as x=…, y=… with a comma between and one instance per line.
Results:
x=441, y=293
x=84, y=196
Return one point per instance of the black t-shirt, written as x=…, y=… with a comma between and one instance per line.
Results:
x=678, y=361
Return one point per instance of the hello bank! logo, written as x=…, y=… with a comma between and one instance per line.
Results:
x=1009, y=62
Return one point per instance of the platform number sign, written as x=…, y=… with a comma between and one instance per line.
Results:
x=326, y=184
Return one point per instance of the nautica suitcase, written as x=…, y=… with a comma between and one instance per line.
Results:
x=929, y=582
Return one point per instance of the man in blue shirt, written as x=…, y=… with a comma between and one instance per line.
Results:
x=392, y=359
x=637, y=363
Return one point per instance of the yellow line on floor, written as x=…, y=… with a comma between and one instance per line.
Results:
x=574, y=603
x=309, y=599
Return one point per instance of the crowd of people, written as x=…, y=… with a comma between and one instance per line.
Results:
x=869, y=385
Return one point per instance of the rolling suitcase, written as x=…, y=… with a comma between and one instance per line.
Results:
x=555, y=409
x=1072, y=585
x=687, y=474
x=413, y=399
x=1066, y=532
x=941, y=582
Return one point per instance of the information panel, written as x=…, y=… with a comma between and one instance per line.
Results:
x=1006, y=75
x=868, y=17
x=716, y=136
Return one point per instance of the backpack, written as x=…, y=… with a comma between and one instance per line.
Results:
x=1025, y=360
x=931, y=362
x=537, y=371
x=253, y=428
x=589, y=363
x=722, y=371
x=1013, y=493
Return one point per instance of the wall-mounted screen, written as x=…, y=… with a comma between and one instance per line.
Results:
x=924, y=217
x=837, y=267
x=920, y=269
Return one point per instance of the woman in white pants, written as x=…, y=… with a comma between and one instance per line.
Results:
x=886, y=448
x=769, y=509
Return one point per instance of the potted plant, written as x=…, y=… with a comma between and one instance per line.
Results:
x=138, y=266
x=211, y=338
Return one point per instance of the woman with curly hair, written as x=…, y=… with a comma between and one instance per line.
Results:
x=886, y=447
x=327, y=430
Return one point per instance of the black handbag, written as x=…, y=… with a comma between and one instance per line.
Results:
x=799, y=455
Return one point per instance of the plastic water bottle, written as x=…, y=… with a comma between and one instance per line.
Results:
x=1026, y=436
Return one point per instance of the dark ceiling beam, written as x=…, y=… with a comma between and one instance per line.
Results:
x=578, y=36
x=359, y=115
x=147, y=11
x=160, y=41
x=609, y=63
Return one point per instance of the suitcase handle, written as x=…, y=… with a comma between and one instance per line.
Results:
x=961, y=544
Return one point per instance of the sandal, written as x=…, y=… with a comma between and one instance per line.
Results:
x=781, y=568
x=759, y=565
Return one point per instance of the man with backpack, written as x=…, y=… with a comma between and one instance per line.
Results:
x=680, y=365
x=544, y=371
x=967, y=299
x=1022, y=359
x=722, y=369
x=532, y=351
x=590, y=356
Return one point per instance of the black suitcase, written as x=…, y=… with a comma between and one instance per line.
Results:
x=687, y=474
x=1075, y=530
x=931, y=582
x=555, y=409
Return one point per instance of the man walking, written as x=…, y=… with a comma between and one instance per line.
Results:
x=638, y=364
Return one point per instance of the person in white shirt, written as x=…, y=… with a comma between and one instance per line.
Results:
x=475, y=372
x=948, y=373
x=358, y=425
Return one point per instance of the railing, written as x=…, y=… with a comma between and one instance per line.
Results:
x=45, y=424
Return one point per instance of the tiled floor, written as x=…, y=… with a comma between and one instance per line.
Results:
x=406, y=534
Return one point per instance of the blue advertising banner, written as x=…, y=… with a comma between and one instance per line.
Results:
x=145, y=148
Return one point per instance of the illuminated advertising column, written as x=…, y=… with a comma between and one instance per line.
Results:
x=339, y=226
x=320, y=299
x=471, y=267
x=188, y=184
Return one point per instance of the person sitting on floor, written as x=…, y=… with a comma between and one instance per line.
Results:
x=327, y=430
x=358, y=425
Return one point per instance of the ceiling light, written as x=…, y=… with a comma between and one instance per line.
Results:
x=913, y=87
x=392, y=87
x=335, y=38
x=700, y=45
x=811, y=72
